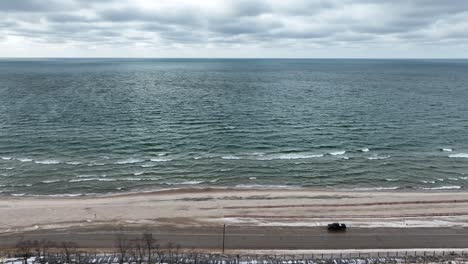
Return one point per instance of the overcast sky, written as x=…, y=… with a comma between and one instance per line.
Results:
x=234, y=28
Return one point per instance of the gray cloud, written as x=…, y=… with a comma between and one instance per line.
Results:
x=253, y=23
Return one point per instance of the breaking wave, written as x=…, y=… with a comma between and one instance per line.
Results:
x=459, y=155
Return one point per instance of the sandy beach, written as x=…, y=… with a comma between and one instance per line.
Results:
x=237, y=207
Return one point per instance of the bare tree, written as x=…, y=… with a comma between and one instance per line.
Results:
x=42, y=248
x=123, y=247
x=69, y=249
x=24, y=250
x=150, y=244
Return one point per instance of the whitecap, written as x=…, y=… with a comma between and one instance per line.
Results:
x=378, y=157
x=376, y=188
x=365, y=150
x=129, y=161
x=47, y=162
x=289, y=156
x=24, y=159
x=197, y=158
x=50, y=181
x=391, y=180
x=231, y=157
x=10, y=168
x=431, y=182
x=345, y=157
x=96, y=164
x=194, y=182
x=73, y=163
x=459, y=155
x=147, y=165
x=6, y=158
x=138, y=173
x=252, y=178
x=447, y=149
x=91, y=179
x=160, y=159
x=443, y=187
x=336, y=153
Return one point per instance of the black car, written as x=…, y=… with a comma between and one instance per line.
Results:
x=336, y=227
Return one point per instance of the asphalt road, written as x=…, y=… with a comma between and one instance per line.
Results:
x=260, y=237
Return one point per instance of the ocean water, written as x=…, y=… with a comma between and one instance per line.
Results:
x=96, y=126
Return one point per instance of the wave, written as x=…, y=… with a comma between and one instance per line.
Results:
x=260, y=186
x=91, y=179
x=160, y=159
x=365, y=150
x=289, y=156
x=24, y=159
x=451, y=187
x=47, y=162
x=139, y=173
x=447, y=149
x=378, y=157
x=231, y=157
x=6, y=158
x=391, y=180
x=427, y=182
x=129, y=161
x=194, y=182
x=73, y=162
x=336, y=153
x=50, y=181
x=376, y=188
x=278, y=156
x=459, y=155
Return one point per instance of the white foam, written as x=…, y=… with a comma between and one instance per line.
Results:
x=365, y=150
x=336, y=153
x=443, y=188
x=96, y=164
x=432, y=182
x=447, y=149
x=50, y=181
x=24, y=159
x=378, y=157
x=91, y=179
x=289, y=156
x=47, y=162
x=459, y=155
x=129, y=161
x=194, y=182
x=73, y=163
x=230, y=157
x=147, y=165
x=160, y=159
x=376, y=188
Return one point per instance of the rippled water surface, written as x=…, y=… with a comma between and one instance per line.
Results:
x=79, y=126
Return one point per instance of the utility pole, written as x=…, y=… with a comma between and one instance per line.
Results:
x=224, y=235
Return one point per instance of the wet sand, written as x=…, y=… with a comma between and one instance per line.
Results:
x=261, y=209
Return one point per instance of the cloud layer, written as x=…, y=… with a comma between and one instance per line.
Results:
x=230, y=28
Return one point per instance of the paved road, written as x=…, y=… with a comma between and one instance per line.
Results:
x=263, y=237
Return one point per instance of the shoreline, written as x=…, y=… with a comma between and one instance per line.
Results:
x=206, y=188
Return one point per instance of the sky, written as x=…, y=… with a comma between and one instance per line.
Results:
x=234, y=28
